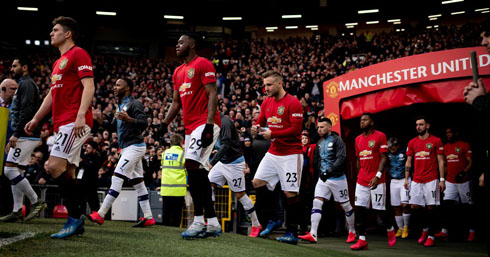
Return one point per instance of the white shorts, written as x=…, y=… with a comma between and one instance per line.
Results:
x=21, y=154
x=231, y=173
x=375, y=198
x=336, y=187
x=460, y=192
x=193, y=149
x=130, y=162
x=67, y=146
x=425, y=193
x=285, y=169
x=398, y=193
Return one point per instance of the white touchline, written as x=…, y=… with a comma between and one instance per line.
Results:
x=10, y=240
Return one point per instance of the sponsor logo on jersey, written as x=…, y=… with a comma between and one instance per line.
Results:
x=452, y=157
x=300, y=115
x=365, y=153
x=274, y=120
x=63, y=63
x=457, y=149
x=429, y=146
x=332, y=89
x=371, y=143
x=184, y=86
x=56, y=77
x=190, y=73
x=85, y=67
x=209, y=74
x=280, y=110
x=422, y=154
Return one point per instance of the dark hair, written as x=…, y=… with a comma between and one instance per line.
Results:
x=325, y=119
x=129, y=82
x=271, y=73
x=485, y=26
x=370, y=115
x=23, y=61
x=68, y=24
x=393, y=141
x=422, y=117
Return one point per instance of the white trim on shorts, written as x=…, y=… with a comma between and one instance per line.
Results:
x=398, y=194
x=285, y=169
x=425, y=193
x=231, y=173
x=193, y=149
x=366, y=197
x=67, y=145
x=21, y=154
x=459, y=192
x=336, y=187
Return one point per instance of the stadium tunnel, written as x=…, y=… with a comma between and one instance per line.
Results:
x=395, y=106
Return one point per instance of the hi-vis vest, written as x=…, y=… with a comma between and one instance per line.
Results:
x=174, y=182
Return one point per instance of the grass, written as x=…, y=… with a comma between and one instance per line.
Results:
x=120, y=239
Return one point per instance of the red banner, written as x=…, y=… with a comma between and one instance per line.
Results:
x=430, y=67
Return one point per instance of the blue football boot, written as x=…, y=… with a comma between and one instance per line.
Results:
x=72, y=227
x=288, y=238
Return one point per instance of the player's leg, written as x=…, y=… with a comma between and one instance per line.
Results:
x=449, y=202
x=465, y=194
x=417, y=205
x=144, y=202
x=362, y=200
x=340, y=190
x=395, y=199
x=378, y=202
x=321, y=192
x=431, y=194
x=290, y=176
x=404, y=199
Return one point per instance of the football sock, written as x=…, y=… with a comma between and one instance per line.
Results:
x=249, y=208
x=143, y=199
x=111, y=196
x=349, y=216
x=293, y=207
x=406, y=219
x=399, y=221
x=316, y=216
x=20, y=186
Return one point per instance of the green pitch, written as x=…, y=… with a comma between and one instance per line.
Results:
x=120, y=239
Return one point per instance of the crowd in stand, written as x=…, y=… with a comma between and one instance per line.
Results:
x=305, y=63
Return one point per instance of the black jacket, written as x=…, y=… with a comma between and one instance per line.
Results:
x=130, y=133
x=25, y=104
x=230, y=144
x=334, y=156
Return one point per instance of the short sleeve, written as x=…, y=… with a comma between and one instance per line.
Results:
x=207, y=72
x=383, y=145
x=410, y=148
x=439, y=147
x=356, y=146
x=296, y=112
x=467, y=150
x=83, y=64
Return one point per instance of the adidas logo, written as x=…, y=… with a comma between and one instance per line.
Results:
x=57, y=148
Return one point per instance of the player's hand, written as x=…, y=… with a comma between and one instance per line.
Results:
x=442, y=186
x=207, y=135
x=323, y=176
x=481, y=180
x=373, y=184
x=12, y=142
x=474, y=90
x=79, y=127
x=246, y=170
x=406, y=184
x=42, y=181
x=254, y=130
x=31, y=126
x=123, y=116
x=266, y=134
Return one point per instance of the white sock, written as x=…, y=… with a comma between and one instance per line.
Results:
x=199, y=219
x=247, y=206
x=116, y=185
x=444, y=230
x=20, y=188
x=406, y=219
x=212, y=195
x=399, y=222
x=349, y=216
x=143, y=199
x=431, y=237
x=472, y=230
x=390, y=229
x=425, y=229
x=363, y=238
x=213, y=221
x=316, y=216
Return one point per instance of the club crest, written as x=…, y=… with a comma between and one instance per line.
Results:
x=280, y=110
x=63, y=63
x=372, y=143
x=190, y=73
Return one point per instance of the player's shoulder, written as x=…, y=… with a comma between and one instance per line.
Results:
x=435, y=139
x=76, y=50
x=379, y=133
x=413, y=140
x=202, y=61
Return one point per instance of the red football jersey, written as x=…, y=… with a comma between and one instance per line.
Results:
x=456, y=159
x=425, y=158
x=285, y=120
x=190, y=79
x=67, y=88
x=369, y=150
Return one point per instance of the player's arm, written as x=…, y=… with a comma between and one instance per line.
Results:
x=225, y=139
x=340, y=154
x=87, y=96
x=442, y=171
x=40, y=114
x=173, y=111
x=408, y=167
x=261, y=121
x=296, y=120
x=374, y=181
x=27, y=94
x=212, y=93
x=469, y=160
x=138, y=113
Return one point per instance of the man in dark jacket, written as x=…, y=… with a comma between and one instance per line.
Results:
x=24, y=105
x=88, y=174
x=228, y=166
x=329, y=162
x=131, y=123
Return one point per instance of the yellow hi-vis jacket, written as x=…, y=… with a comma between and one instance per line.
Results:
x=174, y=176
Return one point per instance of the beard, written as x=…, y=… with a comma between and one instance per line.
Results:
x=422, y=132
x=367, y=128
